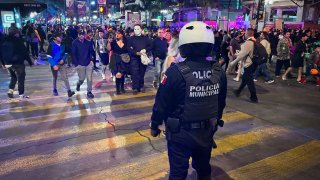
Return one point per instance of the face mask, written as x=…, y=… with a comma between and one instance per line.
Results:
x=137, y=31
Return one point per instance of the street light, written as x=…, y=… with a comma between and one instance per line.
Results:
x=109, y=15
x=33, y=14
x=95, y=17
x=93, y=3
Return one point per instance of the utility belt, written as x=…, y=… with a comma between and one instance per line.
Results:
x=196, y=125
x=175, y=124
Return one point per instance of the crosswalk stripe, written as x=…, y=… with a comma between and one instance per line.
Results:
x=234, y=116
x=95, y=126
x=55, y=133
x=159, y=161
x=281, y=166
x=107, y=90
x=63, y=104
x=64, y=154
x=227, y=117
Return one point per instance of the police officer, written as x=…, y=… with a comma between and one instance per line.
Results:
x=190, y=100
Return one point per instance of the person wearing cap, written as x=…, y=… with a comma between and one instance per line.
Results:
x=82, y=55
x=58, y=60
x=190, y=100
x=13, y=55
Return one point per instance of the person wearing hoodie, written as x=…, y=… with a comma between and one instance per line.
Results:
x=82, y=56
x=58, y=60
x=14, y=53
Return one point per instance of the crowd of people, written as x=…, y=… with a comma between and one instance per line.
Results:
x=126, y=53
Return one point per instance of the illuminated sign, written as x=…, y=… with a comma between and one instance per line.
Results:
x=8, y=18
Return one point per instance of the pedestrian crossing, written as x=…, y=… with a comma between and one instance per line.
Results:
x=108, y=138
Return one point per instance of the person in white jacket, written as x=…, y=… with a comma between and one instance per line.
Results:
x=264, y=40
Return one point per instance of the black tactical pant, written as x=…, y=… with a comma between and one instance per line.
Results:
x=247, y=79
x=185, y=145
x=17, y=73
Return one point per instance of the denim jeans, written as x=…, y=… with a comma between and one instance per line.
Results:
x=159, y=67
x=265, y=71
x=64, y=76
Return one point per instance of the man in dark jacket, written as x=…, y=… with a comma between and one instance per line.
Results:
x=82, y=54
x=159, y=50
x=14, y=53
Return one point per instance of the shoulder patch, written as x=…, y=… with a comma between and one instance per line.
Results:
x=164, y=79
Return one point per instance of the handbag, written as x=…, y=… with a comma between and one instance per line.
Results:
x=125, y=57
x=145, y=59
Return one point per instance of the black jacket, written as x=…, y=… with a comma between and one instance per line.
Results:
x=160, y=48
x=82, y=52
x=19, y=53
x=137, y=43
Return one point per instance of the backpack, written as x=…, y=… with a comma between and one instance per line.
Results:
x=260, y=54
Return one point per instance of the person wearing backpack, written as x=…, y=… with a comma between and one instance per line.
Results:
x=13, y=54
x=264, y=40
x=246, y=55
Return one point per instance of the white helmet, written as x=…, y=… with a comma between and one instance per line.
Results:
x=196, y=32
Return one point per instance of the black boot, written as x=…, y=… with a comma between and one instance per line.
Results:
x=70, y=93
x=118, y=85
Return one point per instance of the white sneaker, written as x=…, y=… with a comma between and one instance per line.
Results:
x=284, y=78
x=22, y=96
x=236, y=79
x=270, y=81
x=255, y=80
x=103, y=77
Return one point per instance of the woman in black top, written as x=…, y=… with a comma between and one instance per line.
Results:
x=118, y=47
x=297, y=60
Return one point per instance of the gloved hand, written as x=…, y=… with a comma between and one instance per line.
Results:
x=155, y=133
